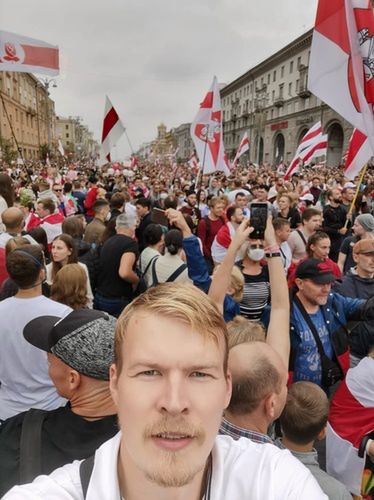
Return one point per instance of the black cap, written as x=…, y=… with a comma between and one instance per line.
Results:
x=315, y=270
x=83, y=339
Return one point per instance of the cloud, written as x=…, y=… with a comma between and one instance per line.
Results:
x=155, y=59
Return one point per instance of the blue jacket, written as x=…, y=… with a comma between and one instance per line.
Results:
x=198, y=273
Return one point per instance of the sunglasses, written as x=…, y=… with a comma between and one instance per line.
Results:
x=253, y=246
x=57, y=190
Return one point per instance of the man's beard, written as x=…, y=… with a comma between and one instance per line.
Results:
x=173, y=468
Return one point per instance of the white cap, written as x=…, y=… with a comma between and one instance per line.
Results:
x=307, y=197
x=349, y=184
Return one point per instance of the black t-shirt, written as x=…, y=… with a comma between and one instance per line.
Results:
x=346, y=248
x=109, y=282
x=65, y=437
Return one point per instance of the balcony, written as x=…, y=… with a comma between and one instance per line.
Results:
x=303, y=92
x=245, y=113
x=279, y=101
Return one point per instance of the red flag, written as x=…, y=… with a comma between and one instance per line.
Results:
x=359, y=153
x=243, y=148
x=206, y=133
x=341, y=70
x=112, y=130
x=21, y=54
x=313, y=144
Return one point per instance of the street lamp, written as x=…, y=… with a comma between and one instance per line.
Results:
x=46, y=83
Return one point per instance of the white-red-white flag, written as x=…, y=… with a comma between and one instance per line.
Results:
x=351, y=418
x=112, y=130
x=358, y=154
x=60, y=148
x=243, y=148
x=27, y=55
x=341, y=70
x=207, y=135
x=313, y=144
x=193, y=163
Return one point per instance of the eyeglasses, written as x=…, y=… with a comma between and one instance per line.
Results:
x=253, y=246
x=57, y=190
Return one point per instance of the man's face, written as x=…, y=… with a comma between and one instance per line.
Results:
x=358, y=229
x=315, y=183
x=336, y=196
x=141, y=211
x=238, y=216
x=261, y=195
x=57, y=189
x=214, y=183
x=348, y=195
x=156, y=188
x=218, y=209
x=365, y=262
x=284, y=232
x=170, y=400
x=241, y=201
x=313, y=223
x=192, y=200
x=41, y=211
x=314, y=293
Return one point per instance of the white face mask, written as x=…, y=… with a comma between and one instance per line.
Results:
x=107, y=218
x=256, y=254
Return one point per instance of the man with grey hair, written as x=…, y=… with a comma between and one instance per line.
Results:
x=117, y=279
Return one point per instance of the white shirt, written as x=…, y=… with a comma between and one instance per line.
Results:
x=241, y=470
x=286, y=255
x=5, y=237
x=24, y=378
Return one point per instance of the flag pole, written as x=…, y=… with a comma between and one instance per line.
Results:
x=128, y=140
x=199, y=179
x=363, y=172
x=19, y=149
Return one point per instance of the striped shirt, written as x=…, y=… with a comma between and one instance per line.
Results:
x=229, y=429
x=256, y=294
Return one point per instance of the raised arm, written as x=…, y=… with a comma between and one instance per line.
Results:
x=222, y=276
x=278, y=332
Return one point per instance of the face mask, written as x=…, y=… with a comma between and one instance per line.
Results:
x=256, y=254
x=107, y=218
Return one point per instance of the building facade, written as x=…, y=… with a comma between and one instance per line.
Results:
x=183, y=141
x=272, y=104
x=25, y=107
x=76, y=138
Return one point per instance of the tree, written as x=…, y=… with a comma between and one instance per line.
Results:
x=8, y=153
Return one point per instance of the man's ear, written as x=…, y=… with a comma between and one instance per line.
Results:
x=355, y=257
x=321, y=434
x=299, y=283
x=74, y=379
x=113, y=383
x=270, y=406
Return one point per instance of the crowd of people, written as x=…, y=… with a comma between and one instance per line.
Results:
x=153, y=348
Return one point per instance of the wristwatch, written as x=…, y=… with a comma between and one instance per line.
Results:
x=272, y=254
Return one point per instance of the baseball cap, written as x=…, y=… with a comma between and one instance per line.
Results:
x=364, y=246
x=84, y=340
x=349, y=184
x=307, y=197
x=315, y=270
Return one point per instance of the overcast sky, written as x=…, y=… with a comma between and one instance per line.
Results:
x=155, y=59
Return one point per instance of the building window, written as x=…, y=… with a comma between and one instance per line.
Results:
x=67, y=136
x=290, y=88
x=67, y=127
x=298, y=62
x=269, y=79
x=282, y=71
x=291, y=67
x=273, y=95
x=274, y=75
x=297, y=86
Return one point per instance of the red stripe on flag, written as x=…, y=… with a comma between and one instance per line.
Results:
x=208, y=101
x=320, y=145
x=349, y=418
x=311, y=135
x=357, y=140
x=41, y=56
x=109, y=121
x=331, y=22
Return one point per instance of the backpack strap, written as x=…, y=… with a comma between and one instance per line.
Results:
x=85, y=472
x=154, y=275
x=301, y=236
x=176, y=273
x=149, y=265
x=30, y=463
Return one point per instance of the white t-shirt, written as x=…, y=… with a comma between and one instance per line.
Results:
x=24, y=378
x=242, y=470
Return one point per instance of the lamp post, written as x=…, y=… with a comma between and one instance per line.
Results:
x=46, y=83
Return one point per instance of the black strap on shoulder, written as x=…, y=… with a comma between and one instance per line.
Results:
x=85, y=472
x=301, y=236
x=154, y=274
x=149, y=265
x=30, y=464
x=311, y=326
x=176, y=273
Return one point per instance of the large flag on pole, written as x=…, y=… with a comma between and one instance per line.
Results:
x=207, y=135
x=112, y=130
x=313, y=144
x=351, y=418
x=60, y=148
x=359, y=153
x=341, y=69
x=243, y=148
x=21, y=54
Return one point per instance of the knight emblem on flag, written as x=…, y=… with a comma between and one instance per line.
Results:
x=11, y=52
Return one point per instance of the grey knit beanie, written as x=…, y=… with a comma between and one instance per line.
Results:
x=366, y=221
